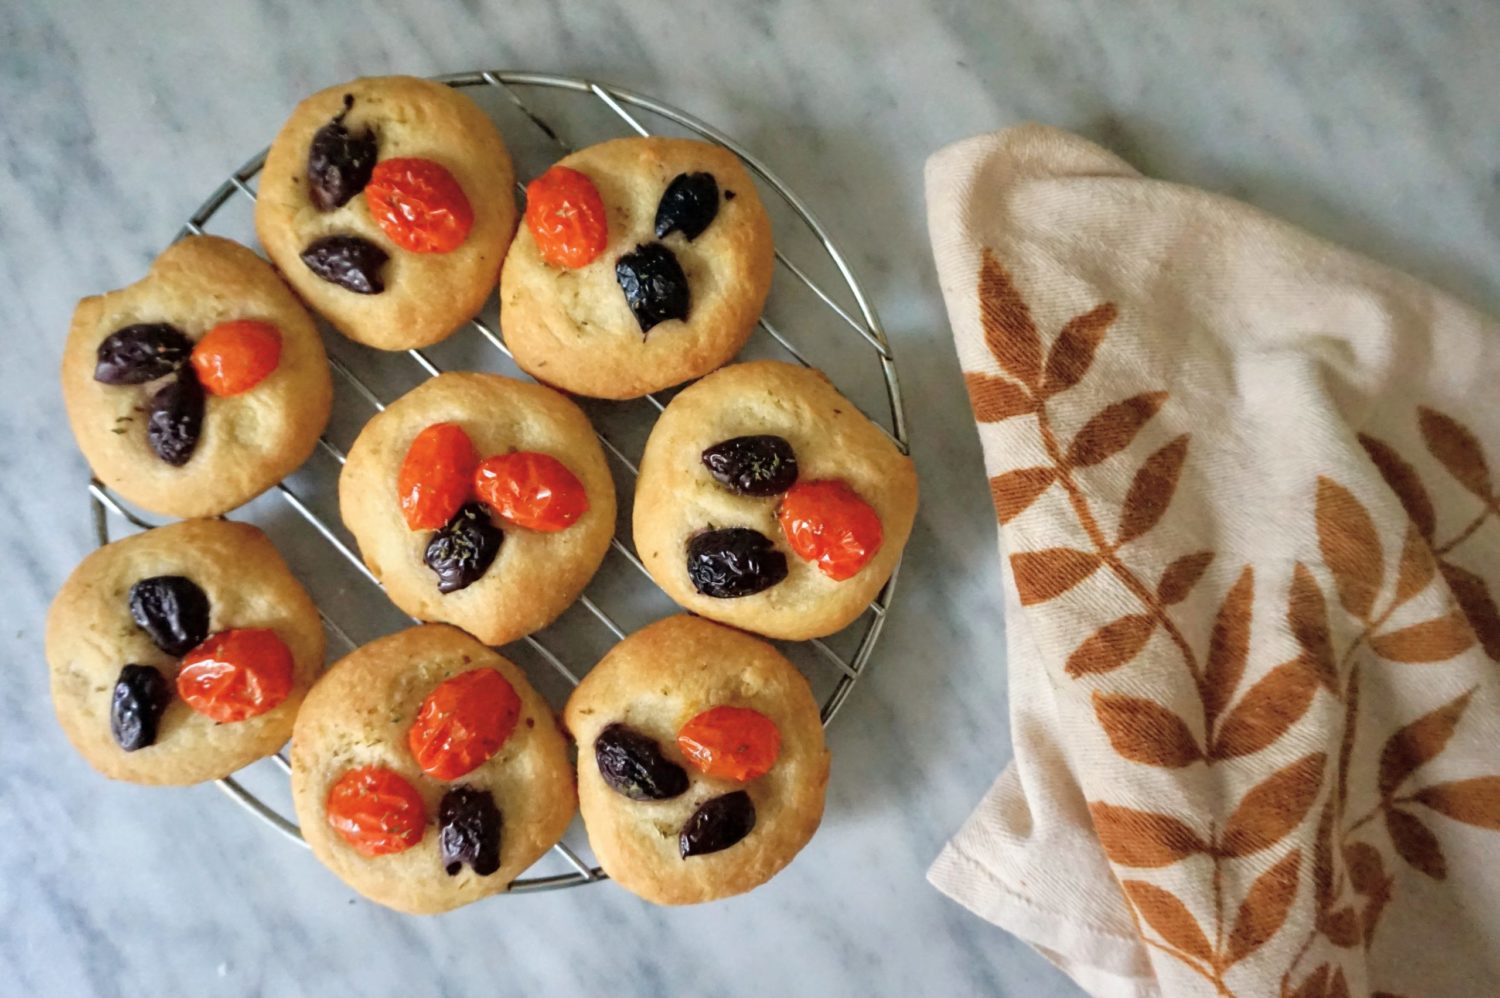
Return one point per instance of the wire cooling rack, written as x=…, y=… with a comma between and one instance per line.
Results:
x=581, y=103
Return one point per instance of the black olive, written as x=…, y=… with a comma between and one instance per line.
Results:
x=469, y=831
x=464, y=548
x=655, y=287
x=718, y=823
x=632, y=765
x=689, y=205
x=734, y=561
x=140, y=353
x=172, y=610
x=753, y=466
x=348, y=261
x=141, y=697
x=339, y=162
x=174, y=419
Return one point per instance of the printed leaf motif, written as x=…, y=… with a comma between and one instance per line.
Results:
x=1473, y=596
x=1457, y=449
x=1350, y=546
x=1342, y=927
x=1008, y=330
x=1046, y=574
x=1265, y=908
x=1307, y=616
x=1315, y=985
x=1112, y=429
x=1415, y=843
x=1169, y=917
x=1272, y=706
x=1366, y=868
x=1112, y=645
x=1405, y=482
x=1228, y=646
x=1435, y=640
x=1072, y=352
x=1181, y=576
x=996, y=399
x=1474, y=802
x=1146, y=732
x=1417, y=566
x=1016, y=490
x=1151, y=490
x=1419, y=742
x=1273, y=807
x=1142, y=838
x=1323, y=858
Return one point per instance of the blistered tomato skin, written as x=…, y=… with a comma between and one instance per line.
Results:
x=376, y=811
x=565, y=215
x=233, y=357
x=463, y=722
x=435, y=476
x=731, y=743
x=419, y=205
x=826, y=522
x=237, y=674
x=531, y=490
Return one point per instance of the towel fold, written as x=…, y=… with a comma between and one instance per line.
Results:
x=1249, y=528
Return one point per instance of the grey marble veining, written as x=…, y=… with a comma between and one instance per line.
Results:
x=1368, y=122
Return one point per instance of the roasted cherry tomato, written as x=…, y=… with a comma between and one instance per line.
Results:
x=436, y=476
x=566, y=217
x=827, y=522
x=235, y=356
x=237, y=674
x=376, y=811
x=731, y=743
x=463, y=722
x=531, y=490
x=419, y=205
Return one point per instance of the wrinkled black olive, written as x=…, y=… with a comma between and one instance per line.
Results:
x=655, y=287
x=718, y=823
x=140, y=353
x=689, y=205
x=339, y=162
x=753, y=466
x=464, y=548
x=174, y=419
x=469, y=831
x=734, y=561
x=141, y=697
x=172, y=610
x=633, y=765
x=348, y=261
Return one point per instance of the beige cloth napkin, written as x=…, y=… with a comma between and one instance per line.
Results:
x=1248, y=515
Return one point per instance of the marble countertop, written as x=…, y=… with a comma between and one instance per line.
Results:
x=1368, y=122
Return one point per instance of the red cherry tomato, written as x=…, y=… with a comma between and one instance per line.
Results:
x=376, y=811
x=463, y=722
x=237, y=674
x=731, y=743
x=436, y=476
x=235, y=356
x=531, y=490
x=828, y=523
x=419, y=205
x=566, y=217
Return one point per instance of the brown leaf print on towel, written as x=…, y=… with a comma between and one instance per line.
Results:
x=1353, y=863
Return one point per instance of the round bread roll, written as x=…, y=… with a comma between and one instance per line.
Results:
x=92, y=636
x=653, y=683
x=247, y=442
x=360, y=713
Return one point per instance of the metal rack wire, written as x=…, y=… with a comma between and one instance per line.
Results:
x=861, y=320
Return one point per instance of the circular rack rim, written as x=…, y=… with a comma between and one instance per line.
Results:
x=866, y=325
